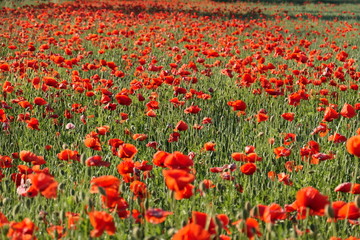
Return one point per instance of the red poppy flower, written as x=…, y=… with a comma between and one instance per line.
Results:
x=285, y=178
x=151, y=113
x=28, y=156
x=45, y=184
x=289, y=138
x=273, y=213
x=310, y=197
x=93, y=143
x=3, y=220
x=22, y=230
x=354, y=188
x=337, y=138
x=178, y=160
x=159, y=158
x=192, y=231
x=349, y=211
x=288, y=116
x=96, y=161
x=209, y=146
x=237, y=105
x=330, y=114
x=282, y=152
x=177, y=180
x=353, y=145
x=33, y=124
x=248, y=168
x=237, y=156
x=104, y=182
x=101, y=221
x=68, y=155
x=139, y=189
x=72, y=219
x=186, y=193
x=261, y=117
x=39, y=101
x=348, y=111
x=181, y=126
x=251, y=227
x=139, y=136
x=102, y=130
x=123, y=99
x=156, y=215
x=192, y=109
x=174, y=137
x=127, y=151
x=125, y=167
x=203, y=220
x=3, y=117
x=56, y=231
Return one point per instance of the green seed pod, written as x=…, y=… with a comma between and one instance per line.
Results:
x=102, y=191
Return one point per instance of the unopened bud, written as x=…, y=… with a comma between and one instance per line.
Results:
x=357, y=201
x=329, y=211
x=248, y=206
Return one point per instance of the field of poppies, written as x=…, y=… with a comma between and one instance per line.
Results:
x=179, y=120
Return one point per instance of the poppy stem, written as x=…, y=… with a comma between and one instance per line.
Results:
x=333, y=226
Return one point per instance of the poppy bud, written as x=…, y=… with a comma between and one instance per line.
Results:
x=254, y=211
x=202, y=187
x=248, y=206
x=6, y=201
x=329, y=211
x=357, y=201
x=16, y=210
x=171, y=231
x=90, y=204
x=244, y=214
x=61, y=186
x=136, y=233
x=122, y=188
